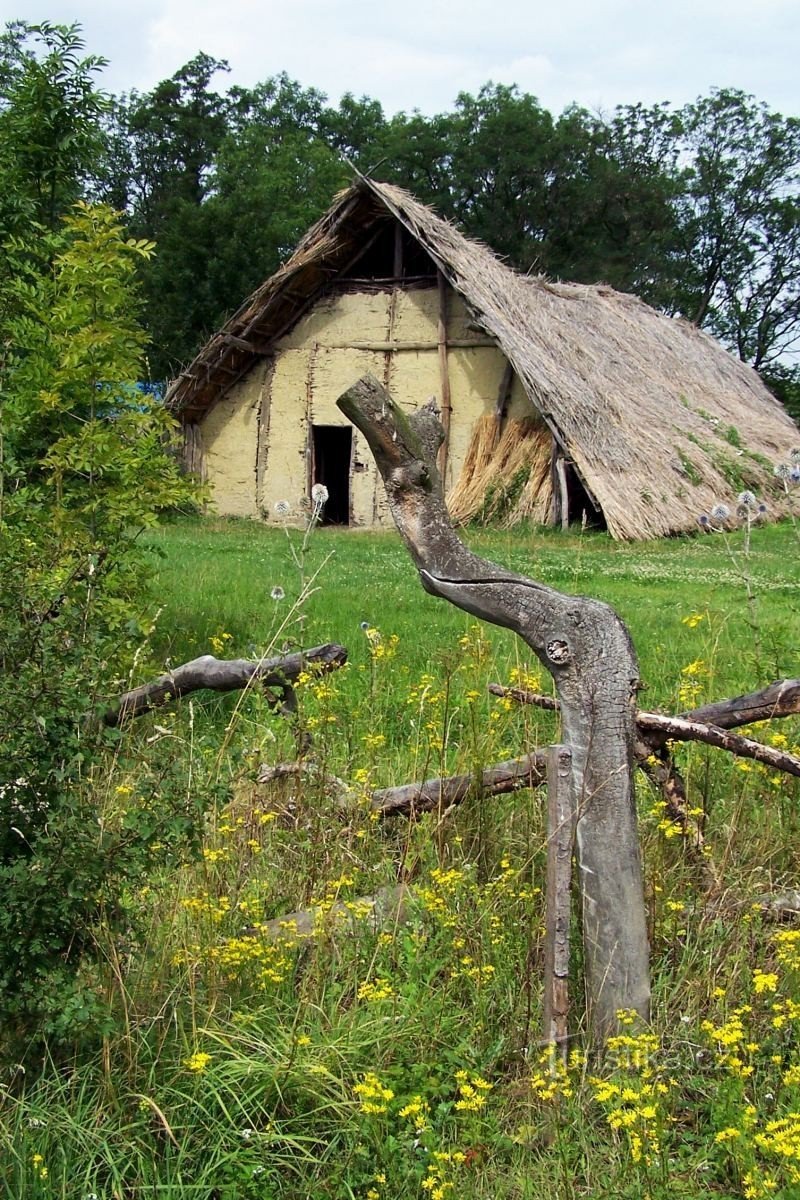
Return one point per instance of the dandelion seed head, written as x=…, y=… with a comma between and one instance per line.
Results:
x=282, y=508
x=277, y=594
x=319, y=493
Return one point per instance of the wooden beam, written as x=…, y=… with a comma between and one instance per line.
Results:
x=503, y=400
x=563, y=491
x=444, y=378
x=262, y=434
x=397, y=266
x=243, y=344
x=389, y=347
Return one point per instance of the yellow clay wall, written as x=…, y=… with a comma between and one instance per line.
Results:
x=313, y=365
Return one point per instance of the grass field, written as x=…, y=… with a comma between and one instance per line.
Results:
x=385, y=1064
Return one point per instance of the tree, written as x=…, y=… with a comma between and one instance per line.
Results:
x=610, y=206
x=162, y=150
x=85, y=467
x=50, y=121
x=274, y=175
x=741, y=224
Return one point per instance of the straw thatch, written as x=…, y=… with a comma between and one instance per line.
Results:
x=659, y=422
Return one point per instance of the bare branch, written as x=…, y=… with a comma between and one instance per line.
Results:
x=225, y=675
x=779, y=699
x=412, y=798
x=783, y=699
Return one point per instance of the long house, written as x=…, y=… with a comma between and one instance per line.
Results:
x=560, y=401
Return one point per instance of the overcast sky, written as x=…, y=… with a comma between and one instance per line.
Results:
x=422, y=53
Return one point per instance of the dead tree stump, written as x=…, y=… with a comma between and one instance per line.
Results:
x=585, y=647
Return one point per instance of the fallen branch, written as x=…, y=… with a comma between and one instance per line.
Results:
x=225, y=675
x=679, y=729
x=780, y=699
x=655, y=729
x=411, y=798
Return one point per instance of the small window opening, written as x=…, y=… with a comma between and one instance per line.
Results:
x=394, y=254
x=332, y=449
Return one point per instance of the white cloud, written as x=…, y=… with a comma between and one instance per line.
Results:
x=422, y=53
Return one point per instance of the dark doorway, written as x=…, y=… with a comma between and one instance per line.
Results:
x=581, y=507
x=330, y=465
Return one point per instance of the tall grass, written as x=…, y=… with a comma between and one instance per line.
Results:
x=403, y=1059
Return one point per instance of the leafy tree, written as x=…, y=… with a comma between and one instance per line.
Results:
x=610, y=211
x=741, y=224
x=162, y=150
x=50, y=121
x=85, y=467
x=226, y=184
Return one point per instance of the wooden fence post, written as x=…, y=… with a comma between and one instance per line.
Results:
x=560, y=842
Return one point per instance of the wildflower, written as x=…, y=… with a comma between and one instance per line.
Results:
x=727, y=1135
x=720, y=512
x=282, y=508
x=197, y=1062
x=782, y=471
x=373, y=1097
x=746, y=499
x=693, y=620
x=417, y=1110
x=277, y=594
x=764, y=982
x=703, y=520
x=319, y=494
x=795, y=455
x=374, y=990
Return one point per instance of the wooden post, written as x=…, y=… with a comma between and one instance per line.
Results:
x=561, y=472
x=444, y=379
x=503, y=400
x=262, y=435
x=397, y=268
x=560, y=839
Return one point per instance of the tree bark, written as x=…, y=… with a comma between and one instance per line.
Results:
x=223, y=675
x=586, y=648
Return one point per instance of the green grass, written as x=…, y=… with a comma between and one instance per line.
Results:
x=300, y=1045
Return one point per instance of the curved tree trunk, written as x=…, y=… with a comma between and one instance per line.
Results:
x=585, y=647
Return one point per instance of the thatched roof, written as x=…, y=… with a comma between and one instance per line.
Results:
x=659, y=420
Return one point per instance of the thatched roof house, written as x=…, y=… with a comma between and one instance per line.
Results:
x=560, y=400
